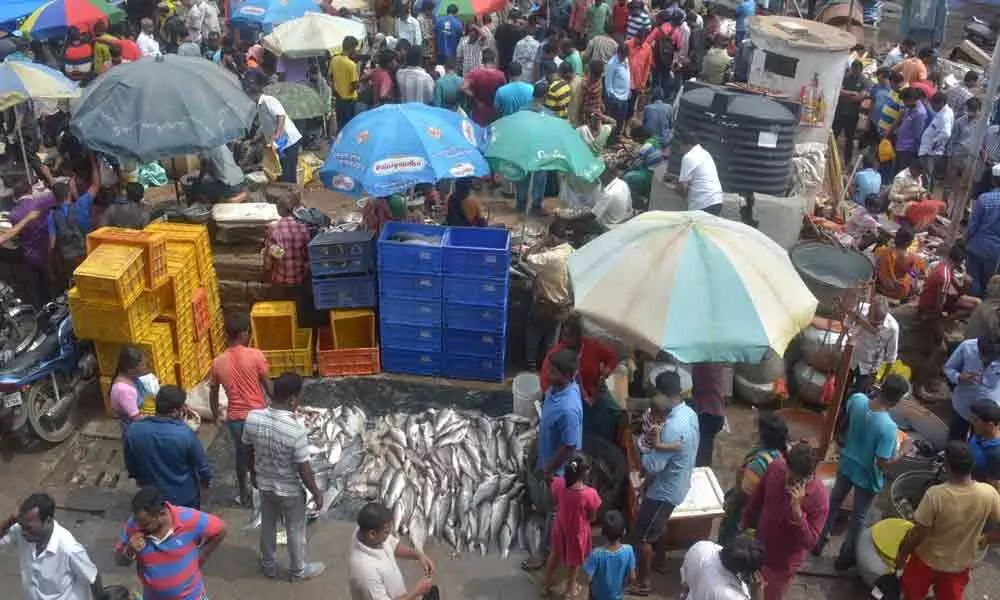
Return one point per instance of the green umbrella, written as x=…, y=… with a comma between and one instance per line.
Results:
x=300, y=100
x=529, y=141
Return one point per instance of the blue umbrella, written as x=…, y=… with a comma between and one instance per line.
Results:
x=266, y=14
x=396, y=146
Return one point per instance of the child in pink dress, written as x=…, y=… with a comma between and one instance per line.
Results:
x=576, y=507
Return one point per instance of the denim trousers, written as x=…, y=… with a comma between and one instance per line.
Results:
x=292, y=511
x=862, y=502
x=537, y=181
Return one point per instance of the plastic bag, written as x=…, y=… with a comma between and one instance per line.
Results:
x=271, y=163
x=886, y=151
x=152, y=175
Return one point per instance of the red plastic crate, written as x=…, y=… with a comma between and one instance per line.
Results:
x=351, y=361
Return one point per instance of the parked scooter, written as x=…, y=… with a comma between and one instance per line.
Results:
x=40, y=388
x=18, y=324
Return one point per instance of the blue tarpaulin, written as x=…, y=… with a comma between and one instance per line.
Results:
x=12, y=10
x=264, y=15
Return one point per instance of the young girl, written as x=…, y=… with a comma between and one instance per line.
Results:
x=127, y=393
x=576, y=506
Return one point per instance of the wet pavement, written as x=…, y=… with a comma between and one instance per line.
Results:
x=87, y=480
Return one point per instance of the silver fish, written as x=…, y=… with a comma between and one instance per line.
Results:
x=502, y=448
x=396, y=435
x=506, y=483
x=402, y=516
x=504, y=539
x=498, y=514
x=472, y=452
x=396, y=488
x=418, y=531
x=486, y=490
x=516, y=453
x=450, y=536
x=533, y=528
x=427, y=498
x=385, y=482
x=442, y=418
x=336, y=449
x=453, y=436
x=483, y=530
x=394, y=456
x=463, y=502
x=489, y=454
x=441, y=511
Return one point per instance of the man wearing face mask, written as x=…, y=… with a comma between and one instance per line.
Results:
x=54, y=566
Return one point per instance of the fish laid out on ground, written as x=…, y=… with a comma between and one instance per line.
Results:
x=444, y=474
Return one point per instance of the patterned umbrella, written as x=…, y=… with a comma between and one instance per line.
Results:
x=471, y=8
x=700, y=287
x=22, y=80
x=52, y=19
x=529, y=141
x=300, y=100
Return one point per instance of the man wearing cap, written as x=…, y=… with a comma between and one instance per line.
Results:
x=983, y=236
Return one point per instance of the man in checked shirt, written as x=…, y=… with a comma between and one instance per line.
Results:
x=286, y=260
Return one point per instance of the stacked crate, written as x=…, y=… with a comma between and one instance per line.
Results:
x=476, y=265
x=342, y=264
x=342, y=267
x=190, y=303
x=275, y=331
x=114, y=300
x=410, y=298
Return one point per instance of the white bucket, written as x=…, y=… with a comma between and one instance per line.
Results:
x=527, y=389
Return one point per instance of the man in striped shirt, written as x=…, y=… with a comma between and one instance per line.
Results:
x=958, y=95
x=638, y=19
x=558, y=97
x=889, y=117
x=169, y=544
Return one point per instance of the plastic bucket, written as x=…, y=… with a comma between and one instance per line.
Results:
x=526, y=389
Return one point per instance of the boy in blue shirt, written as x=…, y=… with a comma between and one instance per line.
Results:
x=869, y=450
x=608, y=567
x=448, y=31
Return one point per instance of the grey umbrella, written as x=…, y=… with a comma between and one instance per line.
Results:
x=160, y=107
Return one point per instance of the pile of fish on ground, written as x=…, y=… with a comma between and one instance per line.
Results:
x=445, y=474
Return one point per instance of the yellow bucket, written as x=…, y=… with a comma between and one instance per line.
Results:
x=887, y=535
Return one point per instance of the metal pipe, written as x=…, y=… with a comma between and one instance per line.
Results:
x=993, y=82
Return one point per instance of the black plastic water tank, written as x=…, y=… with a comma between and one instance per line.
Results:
x=751, y=137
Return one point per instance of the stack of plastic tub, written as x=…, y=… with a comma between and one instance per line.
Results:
x=476, y=264
x=410, y=259
x=342, y=265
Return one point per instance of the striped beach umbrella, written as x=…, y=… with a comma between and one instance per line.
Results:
x=471, y=8
x=703, y=288
x=51, y=19
x=22, y=80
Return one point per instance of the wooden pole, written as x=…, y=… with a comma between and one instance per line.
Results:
x=833, y=410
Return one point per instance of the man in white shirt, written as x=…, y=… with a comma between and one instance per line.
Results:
x=145, y=41
x=713, y=572
x=275, y=125
x=408, y=28
x=210, y=18
x=876, y=342
x=372, y=569
x=194, y=18
x=699, y=179
x=414, y=83
x=937, y=135
x=54, y=566
x=899, y=52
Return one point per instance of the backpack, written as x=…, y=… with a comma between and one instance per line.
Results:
x=665, y=49
x=70, y=241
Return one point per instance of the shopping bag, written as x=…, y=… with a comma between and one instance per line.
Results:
x=886, y=151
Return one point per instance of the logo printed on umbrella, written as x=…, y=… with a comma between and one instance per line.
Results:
x=342, y=182
x=362, y=137
x=255, y=11
x=468, y=131
x=462, y=170
x=434, y=132
x=399, y=164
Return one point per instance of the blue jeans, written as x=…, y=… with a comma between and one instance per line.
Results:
x=537, y=181
x=235, y=429
x=290, y=163
x=862, y=502
x=981, y=268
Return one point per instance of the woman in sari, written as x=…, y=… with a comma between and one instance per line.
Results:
x=773, y=439
x=898, y=269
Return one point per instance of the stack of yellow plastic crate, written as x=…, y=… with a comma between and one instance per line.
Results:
x=276, y=332
x=191, y=268
x=114, y=302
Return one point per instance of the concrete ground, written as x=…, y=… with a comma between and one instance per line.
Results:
x=85, y=476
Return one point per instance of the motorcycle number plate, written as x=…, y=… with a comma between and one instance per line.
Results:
x=12, y=400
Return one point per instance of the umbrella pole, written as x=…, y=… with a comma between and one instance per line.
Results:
x=24, y=151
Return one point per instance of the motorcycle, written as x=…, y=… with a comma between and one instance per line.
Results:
x=40, y=388
x=18, y=324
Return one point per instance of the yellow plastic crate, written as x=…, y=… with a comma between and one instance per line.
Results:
x=152, y=244
x=194, y=235
x=219, y=342
x=100, y=322
x=297, y=360
x=203, y=354
x=190, y=373
x=274, y=325
x=112, y=275
x=352, y=328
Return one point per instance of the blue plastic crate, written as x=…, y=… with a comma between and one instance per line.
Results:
x=477, y=251
x=408, y=310
x=475, y=343
x=342, y=252
x=415, y=362
x=344, y=292
x=491, y=319
x=425, y=338
x=476, y=368
x=422, y=286
x=402, y=257
x=472, y=290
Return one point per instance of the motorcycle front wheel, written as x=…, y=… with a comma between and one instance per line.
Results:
x=40, y=399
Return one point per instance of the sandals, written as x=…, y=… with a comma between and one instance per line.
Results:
x=532, y=564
